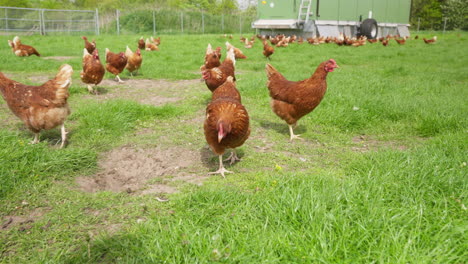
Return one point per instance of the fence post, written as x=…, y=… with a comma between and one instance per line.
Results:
x=240, y=23
x=96, y=16
x=6, y=19
x=154, y=24
x=182, y=21
x=44, y=30
x=419, y=22
x=203, y=22
x=445, y=24
x=117, y=12
x=40, y=23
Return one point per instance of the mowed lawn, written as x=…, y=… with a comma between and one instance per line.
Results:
x=381, y=176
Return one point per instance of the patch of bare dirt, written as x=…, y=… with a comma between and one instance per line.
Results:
x=366, y=143
x=151, y=92
x=59, y=58
x=23, y=222
x=142, y=171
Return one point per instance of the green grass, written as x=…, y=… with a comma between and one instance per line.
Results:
x=382, y=184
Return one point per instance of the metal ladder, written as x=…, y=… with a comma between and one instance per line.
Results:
x=304, y=11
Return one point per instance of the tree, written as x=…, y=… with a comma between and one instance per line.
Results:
x=456, y=12
x=429, y=11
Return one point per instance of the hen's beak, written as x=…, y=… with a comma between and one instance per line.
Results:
x=220, y=137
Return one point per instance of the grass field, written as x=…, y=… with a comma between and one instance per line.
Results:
x=381, y=176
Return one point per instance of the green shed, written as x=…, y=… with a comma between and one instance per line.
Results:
x=372, y=18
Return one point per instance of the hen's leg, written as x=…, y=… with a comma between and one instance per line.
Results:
x=292, y=134
x=118, y=79
x=221, y=169
x=36, y=139
x=90, y=89
x=64, y=135
x=233, y=157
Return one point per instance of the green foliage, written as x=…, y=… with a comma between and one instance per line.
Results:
x=15, y=3
x=433, y=12
x=457, y=13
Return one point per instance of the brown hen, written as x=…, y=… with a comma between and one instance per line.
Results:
x=267, y=50
x=226, y=124
x=134, y=60
x=93, y=71
x=141, y=44
x=216, y=76
x=40, y=107
x=115, y=63
x=22, y=50
x=292, y=100
x=237, y=52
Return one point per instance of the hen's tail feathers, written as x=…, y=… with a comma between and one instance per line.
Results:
x=16, y=40
x=128, y=52
x=107, y=51
x=271, y=71
x=63, y=79
x=230, y=55
x=209, y=49
x=85, y=52
x=11, y=44
x=229, y=46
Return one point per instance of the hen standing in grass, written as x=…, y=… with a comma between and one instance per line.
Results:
x=40, y=107
x=134, y=60
x=227, y=123
x=22, y=50
x=141, y=44
x=151, y=46
x=237, y=52
x=267, y=50
x=115, y=63
x=430, y=41
x=292, y=100
x=93, y=71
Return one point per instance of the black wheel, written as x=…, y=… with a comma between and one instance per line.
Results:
x=369, y=28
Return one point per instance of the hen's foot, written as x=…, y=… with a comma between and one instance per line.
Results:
x=35, y=140
x=118, y=79
x=295, y=137
x=232, y=158
x=291, y=132
x=221, y=171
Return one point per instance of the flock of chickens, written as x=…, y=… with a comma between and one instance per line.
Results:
x=281, y=40
x=226, y=125
x=227, y=121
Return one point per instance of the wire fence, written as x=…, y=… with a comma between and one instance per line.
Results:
x=176, y=22
x=53, y=21
x=47, y=21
